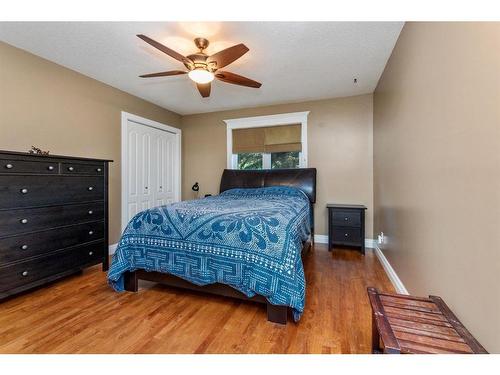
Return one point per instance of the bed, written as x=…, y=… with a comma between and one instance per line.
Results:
x=245, y=243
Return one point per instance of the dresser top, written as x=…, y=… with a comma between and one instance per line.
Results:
x=348, y=206
x=17, y=153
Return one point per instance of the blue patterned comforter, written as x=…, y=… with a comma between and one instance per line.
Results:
x=250, y=239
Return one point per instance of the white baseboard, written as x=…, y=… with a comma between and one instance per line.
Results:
x=112, y=248
x=393, y=276
x=370, y=243
x=322, y=238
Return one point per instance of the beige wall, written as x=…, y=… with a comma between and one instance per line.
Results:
x=437, y=167
x=340, y=147
x=54, y=108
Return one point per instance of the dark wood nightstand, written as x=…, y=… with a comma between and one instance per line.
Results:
x=346, y=225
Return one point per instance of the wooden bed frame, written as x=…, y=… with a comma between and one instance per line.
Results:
x=302, y=178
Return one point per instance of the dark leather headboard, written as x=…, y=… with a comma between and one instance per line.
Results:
x=300, y=178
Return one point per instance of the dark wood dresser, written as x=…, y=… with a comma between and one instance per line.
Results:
x=346, y=225
x=53, y=218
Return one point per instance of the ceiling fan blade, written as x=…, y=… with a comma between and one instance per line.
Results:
x=228, y=55
x=163, y=74
x=236, y=79
x=204, y=89
x=166, y=50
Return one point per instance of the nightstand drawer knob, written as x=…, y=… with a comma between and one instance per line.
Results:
x=91, y=253
x=91, y=232
x=346, y=235
x=71, y=169
x=90, y=188
x=50, y=167
x=98, y=169
x=9, y=166
x=91, y=212
x=24, y=221
x=345, y=218
x=24, y=191
x=25, y=273
x=24, y=247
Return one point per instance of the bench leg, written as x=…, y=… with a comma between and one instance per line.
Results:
x=131, y=283
x=277, y=314
x=375, y=337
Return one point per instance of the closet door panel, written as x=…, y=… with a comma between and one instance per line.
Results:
x=166, y=167
x=140, y=196
x=148, y=149
x=133, y=180
x=161, y=161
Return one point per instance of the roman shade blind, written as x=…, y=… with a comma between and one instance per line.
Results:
x=270, y=139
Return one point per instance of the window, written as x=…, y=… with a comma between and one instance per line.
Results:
x=285, y=160
x=274, y=160
x=267, y=142
x=250, y=161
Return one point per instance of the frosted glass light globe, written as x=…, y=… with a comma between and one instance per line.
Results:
x=200, y=75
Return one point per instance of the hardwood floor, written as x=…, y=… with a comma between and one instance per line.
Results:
x=82, y=314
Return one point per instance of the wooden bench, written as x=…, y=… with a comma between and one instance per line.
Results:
x=416, y=325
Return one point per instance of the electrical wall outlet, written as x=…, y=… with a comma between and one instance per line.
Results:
x=381, y=238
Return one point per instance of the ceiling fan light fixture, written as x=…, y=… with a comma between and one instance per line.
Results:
x=203, y=69
x=200, y=75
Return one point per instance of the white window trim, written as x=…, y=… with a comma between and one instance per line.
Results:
x=262, y=121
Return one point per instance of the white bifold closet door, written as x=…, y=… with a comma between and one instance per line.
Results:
x=153, y=168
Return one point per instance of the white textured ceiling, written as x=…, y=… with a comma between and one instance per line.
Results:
x=295, y=61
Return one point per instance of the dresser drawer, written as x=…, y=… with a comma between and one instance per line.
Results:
x=26, y=191
x=17, y=248
x=28, y=166
x=11, y=221
x=346, y=218
x=80, y=168
x=19, y=274
x=347, y=235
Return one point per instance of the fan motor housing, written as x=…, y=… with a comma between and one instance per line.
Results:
x=200, y=62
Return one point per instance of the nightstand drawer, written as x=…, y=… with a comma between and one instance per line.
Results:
x=346, y=218
x=347, y=235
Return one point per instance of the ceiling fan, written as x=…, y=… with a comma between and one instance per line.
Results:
x=202, y=69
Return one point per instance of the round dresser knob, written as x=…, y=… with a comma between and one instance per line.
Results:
x=25, y=273
x=91, y=253
x=24, y=247
x=9, y=166
x=50, y=167
x=91, y=232
x=91, y=212
x=91, y=188
x=346, y=235
x=98, y=169
x=24, y=221
x=346, y=219
x=24, y=191
x=71, y=169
